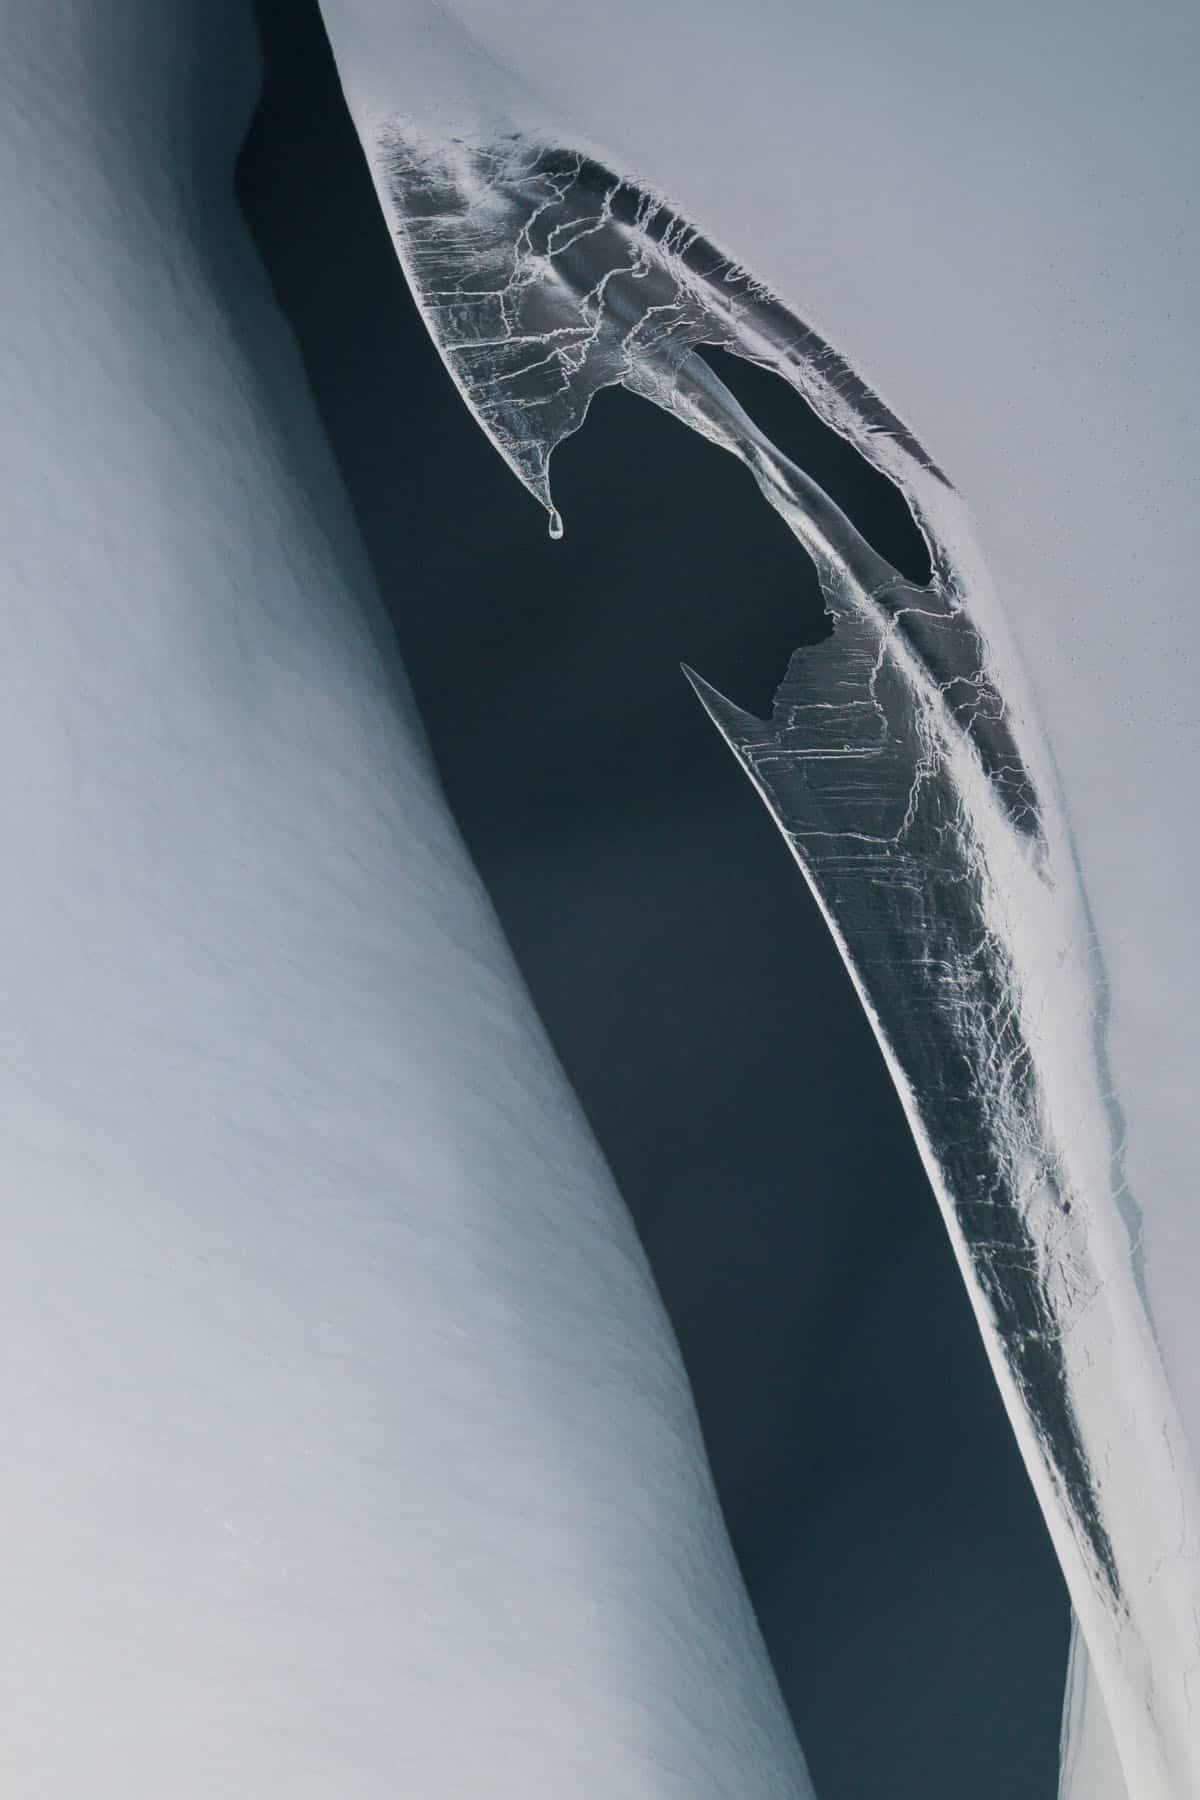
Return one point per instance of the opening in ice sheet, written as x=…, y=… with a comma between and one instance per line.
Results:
x=871, y=501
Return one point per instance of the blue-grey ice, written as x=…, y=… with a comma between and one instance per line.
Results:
x=347, y=1451
x=995, y=239
x=347, y=1448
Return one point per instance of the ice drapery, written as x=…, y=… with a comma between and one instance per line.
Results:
x=904, y=772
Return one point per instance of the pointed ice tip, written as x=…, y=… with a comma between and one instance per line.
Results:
x=556, y=524
x=729, y=719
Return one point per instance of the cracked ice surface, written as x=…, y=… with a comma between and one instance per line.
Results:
x=902, y=770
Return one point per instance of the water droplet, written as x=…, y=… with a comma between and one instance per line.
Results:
x=556, y=525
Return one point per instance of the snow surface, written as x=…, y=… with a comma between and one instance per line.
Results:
x=989, y=217
x=347, y=1450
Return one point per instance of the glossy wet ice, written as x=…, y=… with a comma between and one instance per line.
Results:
x=899, y=763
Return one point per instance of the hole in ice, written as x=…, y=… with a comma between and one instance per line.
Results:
x=869, y=498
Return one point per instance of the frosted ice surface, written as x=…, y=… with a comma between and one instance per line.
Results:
x=907, y=775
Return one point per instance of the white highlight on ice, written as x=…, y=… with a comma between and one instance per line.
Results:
x=792, y=186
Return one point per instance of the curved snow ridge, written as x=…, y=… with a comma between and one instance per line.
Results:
x=898, y=765
x=348, y=1448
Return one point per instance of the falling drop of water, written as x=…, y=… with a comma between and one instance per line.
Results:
x=556, y=525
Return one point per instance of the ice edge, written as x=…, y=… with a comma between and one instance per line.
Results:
x=898, y=765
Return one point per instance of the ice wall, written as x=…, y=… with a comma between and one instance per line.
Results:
x=984, y=274
x=347, y=1450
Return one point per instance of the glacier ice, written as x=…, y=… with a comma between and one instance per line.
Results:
x=347, y=1450
x=908, y=773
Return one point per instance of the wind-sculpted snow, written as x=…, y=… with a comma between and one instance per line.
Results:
x=904, y=773
x=348, y=1451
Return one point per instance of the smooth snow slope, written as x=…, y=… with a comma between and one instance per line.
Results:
x=988, y=214
x=347, y=1451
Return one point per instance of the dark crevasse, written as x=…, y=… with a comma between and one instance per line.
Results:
x=874, y=1494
